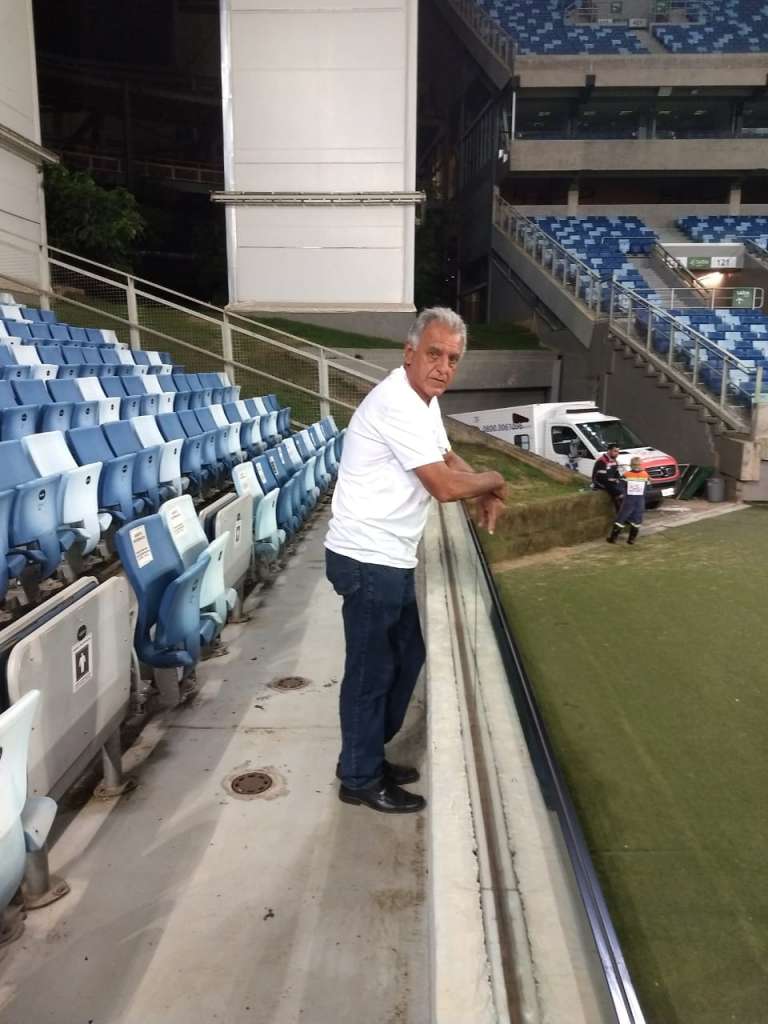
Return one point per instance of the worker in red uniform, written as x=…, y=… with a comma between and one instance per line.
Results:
x=633, y=484
x=606, y=475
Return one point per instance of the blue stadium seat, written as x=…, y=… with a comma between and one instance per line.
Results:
x=122, y=439
x=35, y=529
x=168, y=627
x=79, y=495
x=189, y=539
x=116, y=496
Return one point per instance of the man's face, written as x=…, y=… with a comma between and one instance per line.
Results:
x=431, y=366
x=613, y=452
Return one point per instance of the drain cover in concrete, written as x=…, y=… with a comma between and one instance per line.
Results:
x=290, y=683
x=251, y=783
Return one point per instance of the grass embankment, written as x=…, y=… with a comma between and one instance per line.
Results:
x=649, y=664
x=541, y=511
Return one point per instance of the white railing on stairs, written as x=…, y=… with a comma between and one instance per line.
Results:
x=720, y=381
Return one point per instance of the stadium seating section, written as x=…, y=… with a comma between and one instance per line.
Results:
x=733, y=228
x=543, y=26
x=604, y=245
x=733, y=26
x=540, y=26
x=109, y=453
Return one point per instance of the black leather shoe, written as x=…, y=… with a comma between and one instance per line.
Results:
x=384, y=796
x=400, y=774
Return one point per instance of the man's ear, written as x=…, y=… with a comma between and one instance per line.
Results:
x=408, y=355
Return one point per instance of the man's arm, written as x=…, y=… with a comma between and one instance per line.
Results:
x=446, y=483
x=454, y=461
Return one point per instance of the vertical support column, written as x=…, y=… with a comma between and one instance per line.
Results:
x=45, y=278
x=573, y=198
x=133, y=313
x=323, y=387
x=226, y=349
x=734, y=197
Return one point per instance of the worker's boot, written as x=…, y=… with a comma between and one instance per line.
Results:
x=615, y=531
x=633, y=532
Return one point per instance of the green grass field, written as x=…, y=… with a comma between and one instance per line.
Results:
x=525, y=483
x=650, y=667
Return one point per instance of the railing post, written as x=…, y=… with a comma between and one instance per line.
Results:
x=671, y=343
x=696, y=357
x=45, y=278
x=226, y=348
x=322, y=385
x=758, y=382
x=649, y=334
x=133, y=313
x=610, y=303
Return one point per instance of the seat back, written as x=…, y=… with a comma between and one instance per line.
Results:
x=15, y=730
x=190, y=541
x=168, y=620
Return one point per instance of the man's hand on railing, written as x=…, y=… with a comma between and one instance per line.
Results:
x=489, y=508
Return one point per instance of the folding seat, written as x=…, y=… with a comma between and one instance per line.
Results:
x=134, y=386
x=51, y=415
x=192, y=465
x=210, y=444
x=85, y=412
x=149, y=435
x=250, y=427
x=91, y=389
x=168, y=625
x=269, y=431
x=18, y=330
x=109, y=357
x=41, y=332
x=181, y=399
x=188, y=537
x=200, y=395
x=116, y=496
x=213, y=381
x=35, y=530
x=15, y=420
x=232, y=431
x=24, y=823
x=26, y=355
x=78, y=334
x=151, y=385
x=268, y=538
x=123, y=440
x=79, y=495
x=226, y=457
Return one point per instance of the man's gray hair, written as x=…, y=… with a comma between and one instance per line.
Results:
x=437, y=315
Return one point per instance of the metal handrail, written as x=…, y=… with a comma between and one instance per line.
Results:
x=224, y=360
x=487, y=30
x=624, y=305
x=555, y=791
x=223, y=315
x=677, y=267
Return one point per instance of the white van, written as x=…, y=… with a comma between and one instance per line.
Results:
x=575, y=434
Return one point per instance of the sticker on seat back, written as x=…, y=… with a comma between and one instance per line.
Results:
x=141, y=550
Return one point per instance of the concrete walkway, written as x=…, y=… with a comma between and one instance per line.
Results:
x=190, y=905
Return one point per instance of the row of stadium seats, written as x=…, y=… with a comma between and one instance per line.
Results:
x=539, y=26
x=604, y=244
x=725, y=228
x=176, y=562
x=175, y=572
x=59, y=360
x=730, y=26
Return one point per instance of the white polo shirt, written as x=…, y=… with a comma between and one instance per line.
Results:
x=379, y=504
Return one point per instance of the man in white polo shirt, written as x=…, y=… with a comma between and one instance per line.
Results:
x=396, y=458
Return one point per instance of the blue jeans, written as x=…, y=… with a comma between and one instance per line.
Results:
x=385, y=653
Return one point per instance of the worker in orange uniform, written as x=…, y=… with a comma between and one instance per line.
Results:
x=633, y=484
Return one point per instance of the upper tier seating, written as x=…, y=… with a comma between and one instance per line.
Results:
x=539, y=26
x=604, y=244
x=729, y=26
x=726, y=228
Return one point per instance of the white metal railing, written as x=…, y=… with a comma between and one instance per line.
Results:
x=719, y=380
x=141, y=312
x=488, y=31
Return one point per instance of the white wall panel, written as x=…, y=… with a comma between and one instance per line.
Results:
x=21, y=203
x=328, y=277
x=323, y=99
x=18, y=74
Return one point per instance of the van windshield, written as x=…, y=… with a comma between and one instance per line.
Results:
x=605, y=432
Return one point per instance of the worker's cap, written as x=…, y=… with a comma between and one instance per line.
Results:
x=614, y=448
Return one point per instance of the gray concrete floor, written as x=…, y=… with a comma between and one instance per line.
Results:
x=191, y=905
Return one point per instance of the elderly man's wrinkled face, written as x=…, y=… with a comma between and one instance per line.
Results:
x=431, y=366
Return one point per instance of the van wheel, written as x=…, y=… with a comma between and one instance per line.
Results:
x=654, y=501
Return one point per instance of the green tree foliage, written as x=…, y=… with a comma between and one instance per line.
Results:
x=99, y=223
